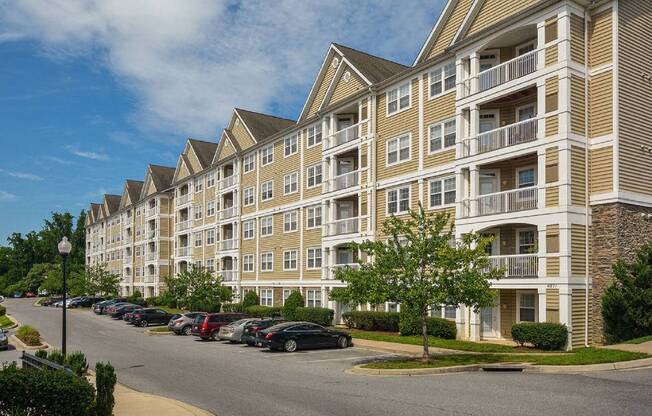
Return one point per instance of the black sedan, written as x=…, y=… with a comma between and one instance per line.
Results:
x=150, y=316
x=120, y=312
x=251, y=329
x=291, y=336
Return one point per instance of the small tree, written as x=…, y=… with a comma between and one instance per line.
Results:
x=250, y=299
x=105, y=379
x=100, y=281
x=627, y=303
x=294, y=301
x=199, y=289
x=419, y=266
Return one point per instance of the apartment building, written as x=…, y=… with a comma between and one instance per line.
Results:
x=518, y=118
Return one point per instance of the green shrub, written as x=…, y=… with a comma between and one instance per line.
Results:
x=154, y=301
x=410, y=324
x=206, y=307
x=3, y=310
x=56, y=356
x=29, y=335
x=294, y=301
x=372, y=321
x=250, y=299
x=41, y=354
x=105, y=380
x=543, y=335
x=232, y=307
x=259, y=311
x=77, y=362
x=44, y=393
x=321, y=316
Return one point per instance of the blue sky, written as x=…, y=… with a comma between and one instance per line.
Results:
x=92, y=91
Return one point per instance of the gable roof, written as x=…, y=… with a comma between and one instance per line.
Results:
x=374, y=68
x=204, y=151
x=161, y=176
x=93, y=212
x=112, y=203
x=134, y=187
x=262, y=125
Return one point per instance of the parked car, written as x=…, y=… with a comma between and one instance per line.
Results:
x=292, y=336
x=18, y=295
x=50, y=301
x=85, y=302
x=4, y=340
x=30, y=295
x=69, y=301
x=129, y=316
x=43, y=293
x=148, y=316
x=233, y=332
x=181, y=324
x=207, y=326
x=118, y=313
x=250, y=330
x=2, y=298
x=99, y=307
x=108, y=310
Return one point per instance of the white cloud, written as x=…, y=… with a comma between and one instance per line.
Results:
x=87, y=154
x=188, y=63
x=22, y=175
x=6, y=196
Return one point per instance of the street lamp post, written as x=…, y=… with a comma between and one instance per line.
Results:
x=64, y=250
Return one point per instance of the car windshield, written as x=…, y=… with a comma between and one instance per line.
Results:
x=240, y=322
x=199, y=319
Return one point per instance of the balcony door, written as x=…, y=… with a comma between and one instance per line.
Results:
x=490, y=321
x=345, y=121
x=345, y=165
x=345, y=210
x=489, y=184
x=489, y=120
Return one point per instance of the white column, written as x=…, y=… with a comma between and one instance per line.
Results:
x=542, y=260
x=459, y=322
x=541, y=178
x=563, y=34
x=565, y=311
x=474, y=128
x=542, y=303
x=473, y=71
x=475, y=325
x=541, y=108
x=541, y=41
x=474, y=179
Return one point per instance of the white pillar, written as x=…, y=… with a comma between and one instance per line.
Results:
x=474, y=188
x=541, y=178
x=474, y=70
x=475, y=325
x=542, y=303
x=459, y=322
x=565, y=311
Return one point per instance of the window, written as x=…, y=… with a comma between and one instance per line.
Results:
x=314, y=258
x=398, y=200
x=248, y=196
x=314, y=217
x=442, y=79
x=398, y=149
x=450, y=312
x=313, y=298
x=314, y=175
x=266, y=297
x=198, y=239
x=267, y=190
x=442, y=135
x=266, y=262
x=290, y=260
x=199, y=184
x=290, y=146
x=314, y=135
x=290, y=183
x=249, y=162
x=210, y=265
x=210, y=237
x=527, y=243
x=286, y=294
x=526, y=178
x=398, y=99
x=248, y=263
x=198, y=211
x=267, y=154
x=527, y=309
x=267, y=226
x=442, y=192
x=248, y=230
x=290, y=221
x=210, y=180
x=210, y=208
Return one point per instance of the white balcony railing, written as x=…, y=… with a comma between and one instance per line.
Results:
x=517, y=266
x=500, y=74
x=183, y=251
x=182, y=199
x=344, y=136
x=152, y=211
x=345, y=180
x=127, y=259
x=183, y=225
x=229, y=275
x=343, y=226
x=229, y=212
x=228, y=181
x=151, y=234
x=151, y=256
x=511, y=135
x=503, y=202
x=229, y=244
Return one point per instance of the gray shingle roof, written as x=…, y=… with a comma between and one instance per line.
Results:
x=374, y=68
x=134, y=188
x=263, y=125
x=112, y=203
x=161, y=176
x=204, y=150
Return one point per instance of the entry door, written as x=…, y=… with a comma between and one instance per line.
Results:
x=490, y=321
x=489, y=184
x=345, y=166
x=488, y=122
x=344, y=122
x=345, y=209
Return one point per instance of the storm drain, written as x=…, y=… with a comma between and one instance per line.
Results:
x=503, y=367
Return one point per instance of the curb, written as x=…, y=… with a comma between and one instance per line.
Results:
x=570, y=369
x=14, y=320
x=21, y=345
x=412, y=371
x=153, y=333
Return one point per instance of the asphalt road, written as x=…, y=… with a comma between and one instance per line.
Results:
x=235, y=380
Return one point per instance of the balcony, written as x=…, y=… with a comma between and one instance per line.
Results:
x=152, y=256
x=346, y=180
x=182, y=199
x=513, y=200
x=515, y=68
x=344, y=136
x=228, y=181
x=343, y=226
x=183, y=225
x=229, y=244
x=517, y=265
x=152, y=211
x=500, y=138
x=151, y=234
x=229, y=212
x=229, y=275
x=127, y=259
x=183, y=251
x=335, y=267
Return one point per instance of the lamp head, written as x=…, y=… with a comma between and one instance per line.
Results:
x=64, y=246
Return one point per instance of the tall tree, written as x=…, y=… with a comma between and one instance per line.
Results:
x=419, y=265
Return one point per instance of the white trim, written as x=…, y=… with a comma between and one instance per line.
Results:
x=441, y=179
x=264, y=253
x=436, y=29
x=398, y=149
x=398, y=87
x=296, y=260
x=321, y=213
x=261, y=190
x=264, y=148
x=443, y=148
x=244, y=197
x=296, y=222
x=524, y=168
x=520, y=107
x=320, y=164
x=296, y=182
x=519, y=294
x=321, y=257
x=440, y=68
x=253, y=263
x=320, y=77
x=398, y=199
x=253, y=222
x=294, y=135
x=235, y=110
x=261, y=226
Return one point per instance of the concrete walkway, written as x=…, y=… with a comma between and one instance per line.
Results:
x=645, y=347
x=396, y=348
x=131, y=402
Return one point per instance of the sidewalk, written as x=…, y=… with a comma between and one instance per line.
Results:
x=645, y=347
x=131, y=402
x=396, y=348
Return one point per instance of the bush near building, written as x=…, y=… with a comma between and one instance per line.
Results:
x=233, y=307
x=29, y=335
x=105, y=380
x=250, y=299
x=372, y=321
x=294, y=301
x=410, y=324
x=259, y=311
x=320, y=316
x=543, y=335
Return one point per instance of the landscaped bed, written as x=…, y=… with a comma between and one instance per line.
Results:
x=582, y=356
x=161, y=329
x=5, y=322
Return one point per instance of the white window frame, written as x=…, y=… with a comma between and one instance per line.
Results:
x=264, y=225
x=210, y=208
x=314, y=217
x=267, y=184
x=398, y=199
x=249, y=227
x=267, y=297
x=315, y=134
x=519, y=297
x=518, y=238
x=291, y=145
x=267, y=155
x=311, y=255
x=518, y=176
x=248, y=263
x=290, y=225
x=249, y=162
x=269, y=255
x=251, y=190
x=398, y=140
x=286, y=294
x=210, y=237
x=441, y=72
x=210, y=180
x=291, y=180
x=443, y=191
x=198, y=184
x=287, y=257
x=198, y=212
x=442, y=137
x=311, y=174
x=315, y=294
x=198, y=242
x=397, y=90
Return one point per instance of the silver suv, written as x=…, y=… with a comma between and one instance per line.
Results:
x=181, y=324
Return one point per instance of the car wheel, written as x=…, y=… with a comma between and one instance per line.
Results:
x=214, y=336
x=187, y=330
x=290, y=345
x=143, y=323
x=342, y=342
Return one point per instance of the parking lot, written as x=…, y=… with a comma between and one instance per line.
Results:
x=236, y=380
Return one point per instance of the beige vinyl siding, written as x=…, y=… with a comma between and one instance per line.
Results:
x=227, y=150
x=552, y=55
x=193, y=159
x=552, y=246
x=577, y=104
x=241, y=135
x=451, y=25
x=311, y=157
x=183, y=171
x=248, y=180
x=578, y=252
x=277, y=243
x=344, y=88
x=381, y=203
x=494, y=11
x=552, y=266
x=635, y=96
x=600, y=38
x=601, y=104
x=578, y=317
x=434, y=111
x=322, y=87
x=552, y=305
x=552, y=125
x=507, y=311
x=578, y=176
x=508, y=169
x=577, y=39
x=602, y=170
x=552, y=94
x=311, y=239
x=276, y=171
x=407, y=121
x=151, y=188
x=552, y=175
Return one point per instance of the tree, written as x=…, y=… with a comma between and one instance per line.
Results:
x=199, y=289
x=250, y=299
x=100, y=281
x=294, y=301
x=627, y=302
x=419, y=266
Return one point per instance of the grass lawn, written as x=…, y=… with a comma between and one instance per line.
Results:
x=451, y=344
x=169, y=310
x=161, y=329
x=582, y=356
x=5, y=322
x=639, y=340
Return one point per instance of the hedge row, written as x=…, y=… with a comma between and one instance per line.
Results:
x=372, y=321
x=320, y=316
x=260, y=311
x=543, y=335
